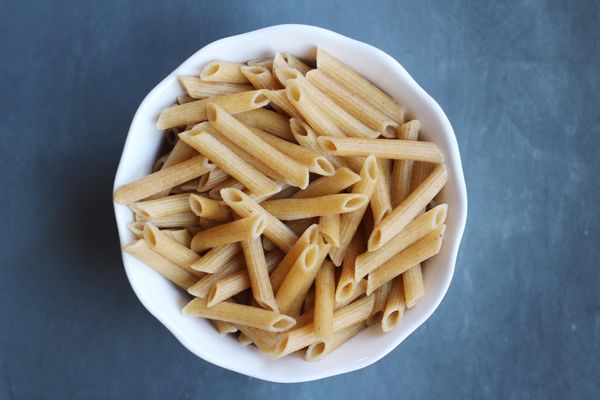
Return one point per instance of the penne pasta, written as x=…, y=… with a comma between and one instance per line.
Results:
x=258, y=274
x=223, y=71
x=267, y=63
x=265, y=341
x=320, y=349
x=394, y=307
x=306, y=137
x=330, y=229
x=175, y=204
x=159, y=163
x=202, y=287
x=231, y=232
x=209, y=208
x=359, y=85
x=414, y=287
x=426, y=247
x=342, y=179
x=137, y=228
x=410, y=207
x=164, y=179
x=298, y=226
x=217, y=257
x=223, y=327
x=284, y=72
x=268, y=121
x=381, y=296
x=244, y=340
x=278, y=99
x=240, y=314
x=309, y=300
x=289, y=209
x=181, y=220
x=275, y=230
x=324, y=301
x=213, y=178
x=201, y=89
x=142, y=251
x=260, y=77
x=346, y=283
x=181, y=236
x=185, y=99
x=295, y=63
x=380, y=199
x=215, y=192
x=194, y=112
x=402, y=170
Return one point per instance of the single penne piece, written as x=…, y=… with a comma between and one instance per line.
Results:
x=201, y=89
x=415, y=230
x=320, y=349
x=426, y=247
x=181, y=236
x=312, y=160
x=381, y=296
x=244, y=206
x=346, y=284
x=240, y=314
x=343, y=318
x=349, y=222
x=260, y=77
x=296, y=63
x=306, y=137
x=231, y=232
x=330, y=229
x=243, y=339
x=223, y=71
x=194, y=112
x=143, y=252
x=258, y=274
x=202, y=287
x=394, y=307
x=175, y=204
x=410, y=207
x=278, y=98
x=324, y=301
x=318, y=120
x=180, y=220
x=289, y=209
x=171, y=249
x=341, y=179
x=359, y=85
x=292, y=171
x=380, y=200
x=284, y=72
x=211, y=179
x=355, y=105
x=209, y=208
x=401, y=175
x=180, y=152
x=267, y=63
x=164, y=179
x=268, y=121
x=229, y=162
x=265, y=341
x=158, y=164
x=137, y=228
x=223, y=327
x=414, y=287
x=395, y=149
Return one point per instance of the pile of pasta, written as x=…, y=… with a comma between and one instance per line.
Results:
x=296, y=204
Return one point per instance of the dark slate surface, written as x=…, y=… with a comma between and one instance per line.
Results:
x=518, y=81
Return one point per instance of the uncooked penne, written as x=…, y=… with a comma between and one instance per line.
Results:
x=209, y=208
x=306, y=137
x=278, y=98
x=320, y=349
x=324, y=301
x=258, y=274
x=349, y=222
x=164, y=179
x=243, y=339
x=224, y=327
x=268, y=121
x=410, y=207
x=289, y=209
x=285, y=73
x=380, y=199
x=292, y=171
x=296, y=63
x=229, y=162
x=267, y=63
x=194, y=112
x=179, y=220
x=181, y=236
x=202, y=287
x=142, y=251
x=415, y=230
x=394, y=307
x=264, y=340
x=244, y=206
x=346, y=284
x=402, y=169
x=240, y=314
x=426, y=247
x=217, y=257
x=137, y=228
x=342, y=179
x=260, y=77
x=223, y=71
x=381, y=296
x=395, y=149
x=208, y=181
x=359, y=85
x=158, y=164
x=231, y=232
x=175, y=204
x=330, y=229
x=201, y=89
x=355, y=105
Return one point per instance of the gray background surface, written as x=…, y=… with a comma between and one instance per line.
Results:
x=519, y=82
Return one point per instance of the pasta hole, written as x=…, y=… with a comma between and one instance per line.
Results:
x=282, y=323
x=374, y=318
x=310, y=257
x=298, y=128
x=255, y=70
x=296, y=93
x=260, y=98
x=211, y=69
x=347, y=290
x=196, y=206
x=325, y=165
x=390, y=131
x=149, y=236
x=260, y=226
x=327, y=144
x=372, y=169
x=317, y=349
x=211, y=112
x=393, y=318
x=282, y=346
x=231, y=195
x=290, y=73
x=354, y=203
x=376, y=236
x=210, y=297
x=440, y=215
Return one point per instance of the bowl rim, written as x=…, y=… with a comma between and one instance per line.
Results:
x=461, y=214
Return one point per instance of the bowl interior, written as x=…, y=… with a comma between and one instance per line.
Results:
x=165, y=301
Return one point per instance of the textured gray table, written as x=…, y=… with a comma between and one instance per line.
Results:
x=518, y=81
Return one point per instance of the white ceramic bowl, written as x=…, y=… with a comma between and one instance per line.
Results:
x=165, y=301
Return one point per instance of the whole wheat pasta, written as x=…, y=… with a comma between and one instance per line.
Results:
x=209, y=208
x=194, y=112
x=381, y=295
x=359, y=85
x=186, y=187
x=324, y=301
x=158, y=164
x=402, y=170
x=171, y=249
x=231, y=232
x=268, y=121
x=360, y=289
x=414, y=287
x=142, y=251
x=383, y=148
x=214, y=177
x=320, y=349
x=394, y=307
x=185, y=99
x=175, y=204
x=223, y=71
x=349, y=222
x=243, y=339
x=346, y=284
x=265, y=341
x=306, y=137
x=205, y=223
x=240, y=314
x=162, y=180
x=426, y=247
x=309, y=300
x=295, y=63
x=380, y=199
x=288, y=209
x=278, y=99
x=179, y=220
x=181, y=236
x=202, y=287
x=288, y=168
x=223, y=327
x=260, y=77
x=330, y=229
x=342, y=179
x=410, y=207
x=355, y=105
x=229, y=162
x=258, y=273
x=298, y=226
x=137, y=228
x=285, y=73
x=244, y=206
x=415, y=230
x=201, y=89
